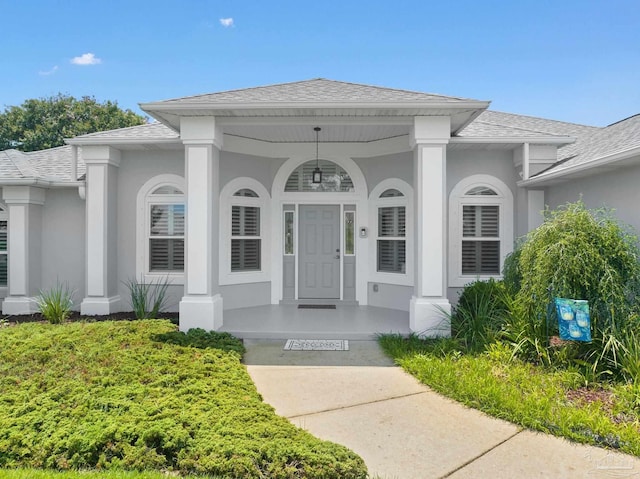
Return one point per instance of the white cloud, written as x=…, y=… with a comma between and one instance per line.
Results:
x=86, y=59
x=226, y=22
x=49, y=72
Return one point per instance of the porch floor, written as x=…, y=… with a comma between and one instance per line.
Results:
x=286, y=321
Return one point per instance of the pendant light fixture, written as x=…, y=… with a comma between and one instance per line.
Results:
x=317, y=173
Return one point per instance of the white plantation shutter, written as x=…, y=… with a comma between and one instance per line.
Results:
x=480, y=239
x=166, y=237
x=3, y=252
x=391, y=243
x=245, y=238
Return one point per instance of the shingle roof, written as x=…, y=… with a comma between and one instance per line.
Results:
x=621, y=136
x=53, y=164
x=315, y=90
x=150, y=131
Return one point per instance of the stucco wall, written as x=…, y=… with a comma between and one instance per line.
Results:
x=617, y=189
x=497, y=163
x=233, y=165
x=390, y=296
x=380, y=168
x=63, y=241
x=135, y=169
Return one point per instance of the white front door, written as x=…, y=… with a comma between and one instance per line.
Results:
x=319, y=252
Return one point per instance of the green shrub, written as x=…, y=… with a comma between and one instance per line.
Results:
x=199, y=338
x=147, y=299
x=480, y=313
x=55, y=304
x=105, y=395
x=581, y=254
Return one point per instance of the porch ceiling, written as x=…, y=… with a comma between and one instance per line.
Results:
x=305, y=133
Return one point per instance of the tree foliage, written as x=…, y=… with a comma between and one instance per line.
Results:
x=43, y=123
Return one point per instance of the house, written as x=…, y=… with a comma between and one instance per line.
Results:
x=419, y=194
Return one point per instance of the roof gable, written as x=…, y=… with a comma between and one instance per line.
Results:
x=316, y=90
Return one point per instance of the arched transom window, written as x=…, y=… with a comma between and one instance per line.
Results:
x=334, y=178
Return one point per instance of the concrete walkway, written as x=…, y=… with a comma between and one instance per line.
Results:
x=404, y=430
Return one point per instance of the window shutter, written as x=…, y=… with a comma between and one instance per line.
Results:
x=481, y=249
x=166, y=242
x=391, y=221
x=245, y=254
x=166, y=254
x=391, y=256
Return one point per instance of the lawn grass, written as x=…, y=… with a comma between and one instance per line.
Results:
x=124, y=396
x=542, y=399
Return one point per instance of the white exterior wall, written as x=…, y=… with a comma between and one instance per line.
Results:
x=615, y=189
x=498, y=163
x=63, y=241
x=135, y=169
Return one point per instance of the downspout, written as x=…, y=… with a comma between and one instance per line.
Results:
x=525, y=161
x=74, y=172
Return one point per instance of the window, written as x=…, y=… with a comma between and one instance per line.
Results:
x=349, y=232
x=390, y=214
x=245, y=238
x=166, y=237
x=288, y=233
x=481, y=229
x=3, y=248
x=391, y=239
x=334, y=178
x=160, y=229
x=244, y=235
x=480, y=239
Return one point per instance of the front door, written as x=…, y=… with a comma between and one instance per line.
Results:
x=319, y=252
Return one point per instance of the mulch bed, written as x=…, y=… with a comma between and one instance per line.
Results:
x=76, y=316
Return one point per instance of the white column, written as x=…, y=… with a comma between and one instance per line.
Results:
x=101, y=231
x=24, y=204
x=201, y=305
x=429, y=304
x=535, y=207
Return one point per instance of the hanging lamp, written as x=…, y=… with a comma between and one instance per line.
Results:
x=317, y=172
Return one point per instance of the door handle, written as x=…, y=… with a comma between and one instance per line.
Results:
x=337, y=256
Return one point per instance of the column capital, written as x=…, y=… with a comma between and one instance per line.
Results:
x=430, y=130
x=200, y=130
x=101, y=155
x=23, y=195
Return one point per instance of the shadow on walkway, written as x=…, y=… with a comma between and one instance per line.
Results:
x=270, y=352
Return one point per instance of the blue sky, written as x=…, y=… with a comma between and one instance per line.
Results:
x=571, y=60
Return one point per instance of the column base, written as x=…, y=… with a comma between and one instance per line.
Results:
x=19, y=305
x=428, y=318
x=92, y=306
x=203, y=312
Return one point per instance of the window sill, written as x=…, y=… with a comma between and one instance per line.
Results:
x=172, y=278
x=400, y=279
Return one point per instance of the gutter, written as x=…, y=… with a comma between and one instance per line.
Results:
x=602, y=161
x=203, y=105
x=538, y=140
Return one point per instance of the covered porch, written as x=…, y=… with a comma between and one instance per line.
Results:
x=288, y=321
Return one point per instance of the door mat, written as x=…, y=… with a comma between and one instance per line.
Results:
x=316, y=306
x=317, y=345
